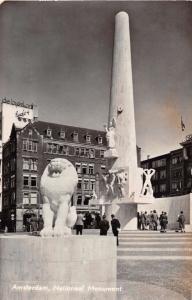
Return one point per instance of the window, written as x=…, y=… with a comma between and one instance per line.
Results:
x=25, y=143
x=86, y=201
x=162, y=188
x=88, y=138
x=34, y=146
x=78, y=168
x=86, y=184
x=26, y=164
x=65, y=150
x=62, y=134
x=30, y=145
x=34, y=164
x=79, y=185
x=75, y=137
x=82, y=152
x=92, y=185
x=100, y=140
x=159, y=163
x=49, y=132
x=26, y=180
x=92, y=153
x=87, y=152
x=33, y=181
x=33, y=198
x=77, y=151
x=176, y=186
x=145, y=165
x=54, y=148
x=49, y=148
x=176, y=160
x=26, y=199
x=103, y=167
x=102, y=153
x=79, y=200
x=30, y=131
x=84, y=168
x=162, y=174
x=91, y=169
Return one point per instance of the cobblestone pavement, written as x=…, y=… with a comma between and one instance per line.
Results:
x=154, y=265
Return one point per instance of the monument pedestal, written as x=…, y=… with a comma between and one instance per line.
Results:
x=74, y=267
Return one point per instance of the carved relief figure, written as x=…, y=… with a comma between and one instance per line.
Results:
x=121, y=181
x=110, y=134
x=147, y=187
x=57, y=186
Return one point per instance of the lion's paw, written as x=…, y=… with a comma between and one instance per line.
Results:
x=61, y=231
x=46, y=232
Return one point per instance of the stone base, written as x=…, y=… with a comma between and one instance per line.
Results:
x=111, y=153
x=34, y=268
x=188, y=228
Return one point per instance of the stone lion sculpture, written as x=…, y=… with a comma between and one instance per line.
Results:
x=57, y=186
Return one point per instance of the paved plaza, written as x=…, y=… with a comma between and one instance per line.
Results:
x=154, y=265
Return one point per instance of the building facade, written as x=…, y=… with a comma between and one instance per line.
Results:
x=28, y=152
x=173, y=176
x=13, y=112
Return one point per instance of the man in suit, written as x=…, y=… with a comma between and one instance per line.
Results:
x=115, y=227
x=104, y=226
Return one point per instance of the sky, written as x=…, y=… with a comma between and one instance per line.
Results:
x=58, y=55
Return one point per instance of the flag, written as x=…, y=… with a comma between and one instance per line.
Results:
x=182, y=124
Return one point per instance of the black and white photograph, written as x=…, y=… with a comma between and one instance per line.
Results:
x=95, y=150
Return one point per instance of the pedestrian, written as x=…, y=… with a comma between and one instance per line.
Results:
x=164, y=221
x=160, y=220
x=40, y=223
x=104, y=226
x=138, y=221
x=143, y=220
x=79, y=224
x=155, y=220
x=115, y=224
x=181, y=220
x=34, y=223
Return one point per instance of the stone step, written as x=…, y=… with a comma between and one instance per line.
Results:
x=154, y=243
x=153, y=257
x=143, y=249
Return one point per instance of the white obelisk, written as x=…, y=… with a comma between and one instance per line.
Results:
x=122, y=104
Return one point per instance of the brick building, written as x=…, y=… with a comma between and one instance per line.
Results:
x=173, y=176
x=28, y=152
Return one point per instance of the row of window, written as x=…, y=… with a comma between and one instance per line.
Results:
x=159, y=175
x=30, y=198
x=30, y=164
x=159, y=163
x=83, y=168
x=86, y=184
x=29, y=145
x=75, y=136
x=29, y=180
x=161, y=188
x=53, y=148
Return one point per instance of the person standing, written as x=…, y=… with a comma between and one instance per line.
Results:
x=104, y=226
x=115, y=224
x=155, y=219
x=79, y=224
x=164, y=221
x=143, y=220
x=181, y=220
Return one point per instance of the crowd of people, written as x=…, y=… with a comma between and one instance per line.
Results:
x=151, y=221
x=101, y=223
